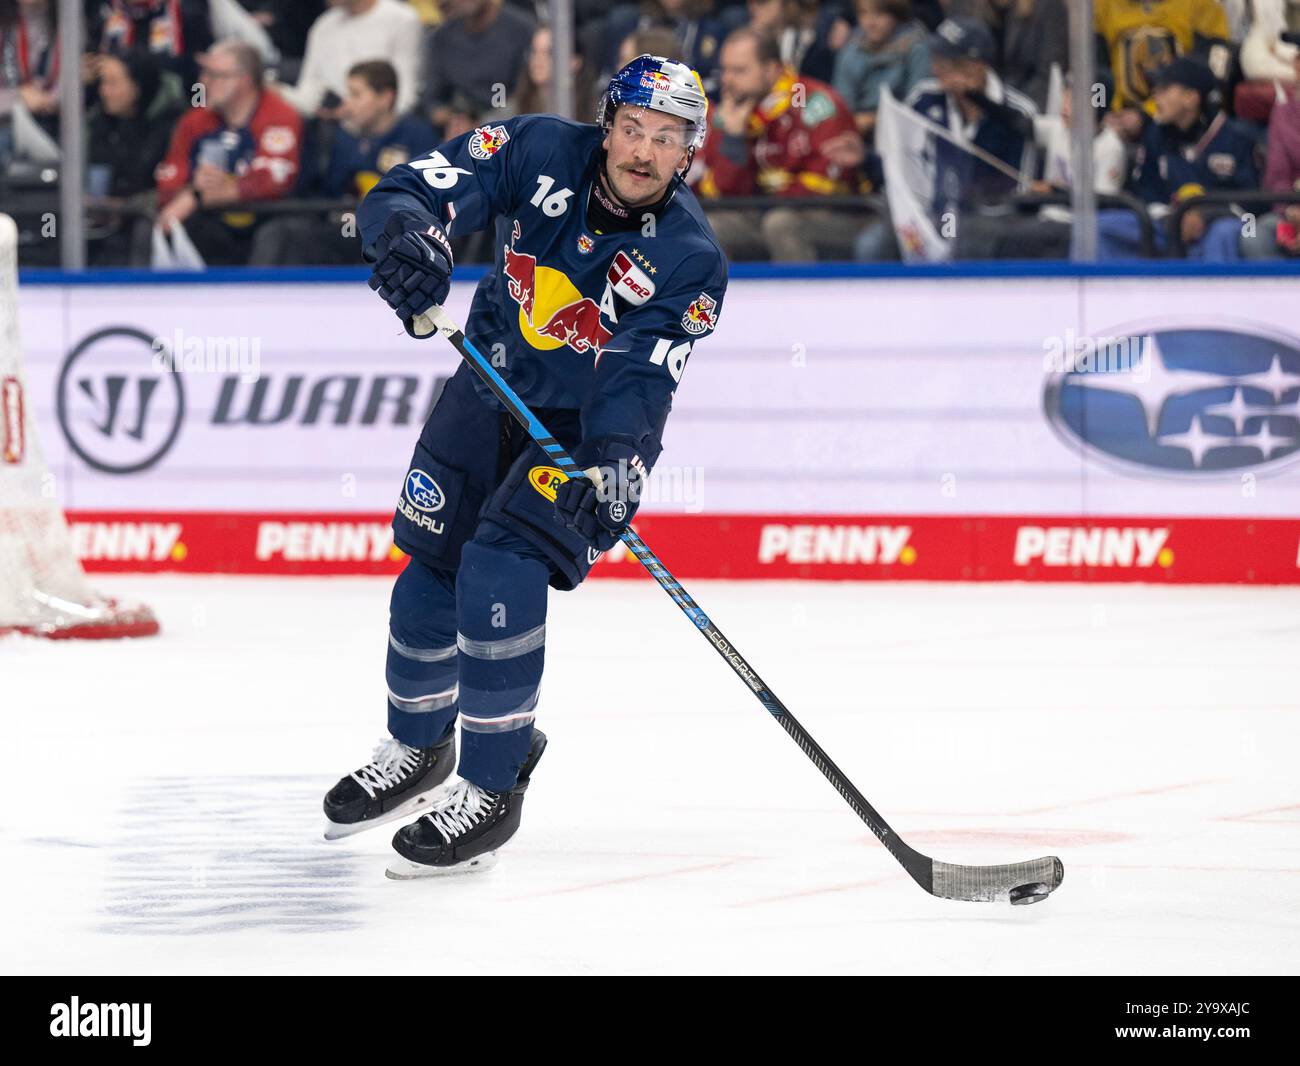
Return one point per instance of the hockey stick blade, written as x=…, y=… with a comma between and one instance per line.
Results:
x=1021, y=882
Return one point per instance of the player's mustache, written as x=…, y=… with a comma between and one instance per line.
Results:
x=648, y=169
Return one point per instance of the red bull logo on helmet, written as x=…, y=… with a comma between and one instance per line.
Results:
x=656, y=80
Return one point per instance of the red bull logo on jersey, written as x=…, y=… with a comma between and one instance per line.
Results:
x=699, y=317
x=520, y=270
x=552, y=312
x=487, y=141
x=585, y=244
x=577, y=325
x=546, y=480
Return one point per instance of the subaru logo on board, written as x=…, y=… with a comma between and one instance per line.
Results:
x=424, y=492
x=1186, y=401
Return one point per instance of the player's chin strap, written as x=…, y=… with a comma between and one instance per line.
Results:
x=1020, y=882
x=679, y=176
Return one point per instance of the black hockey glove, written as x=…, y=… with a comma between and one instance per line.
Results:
x=600, y=512
x=413, y=264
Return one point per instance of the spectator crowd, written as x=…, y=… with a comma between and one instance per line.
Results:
x=255, y=126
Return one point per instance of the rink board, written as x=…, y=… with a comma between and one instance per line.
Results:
x=1028, y=428
x=892, y=548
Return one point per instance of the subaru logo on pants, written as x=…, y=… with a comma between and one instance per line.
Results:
x=423, y=492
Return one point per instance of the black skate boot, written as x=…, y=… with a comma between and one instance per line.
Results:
x=464, y=826
x=397, y=782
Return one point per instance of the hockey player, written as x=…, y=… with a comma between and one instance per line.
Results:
x=606, y=275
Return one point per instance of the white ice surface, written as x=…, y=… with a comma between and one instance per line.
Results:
x=161, y=804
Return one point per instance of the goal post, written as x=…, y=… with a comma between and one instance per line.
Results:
x=43, y=589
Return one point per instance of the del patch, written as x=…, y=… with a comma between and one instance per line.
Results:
x=629, y=281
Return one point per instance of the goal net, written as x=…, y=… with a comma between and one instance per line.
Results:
x=43, y=590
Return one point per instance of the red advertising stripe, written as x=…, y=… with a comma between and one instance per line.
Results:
x=235, y=543
x=748, y=547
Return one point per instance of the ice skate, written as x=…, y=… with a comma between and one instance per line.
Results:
x=464, y=827
x=397, y=782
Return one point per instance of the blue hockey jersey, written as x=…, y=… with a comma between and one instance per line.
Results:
x=602, y=322
x=1216, y=155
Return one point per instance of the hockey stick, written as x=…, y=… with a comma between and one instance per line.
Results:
x=1020, y=882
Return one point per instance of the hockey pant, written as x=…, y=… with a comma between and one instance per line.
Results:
x=467, y=620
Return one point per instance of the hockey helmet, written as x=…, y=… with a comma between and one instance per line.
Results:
x=658, y=84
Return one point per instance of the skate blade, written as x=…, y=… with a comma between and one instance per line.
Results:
x=339, y=830
x=405, y=870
